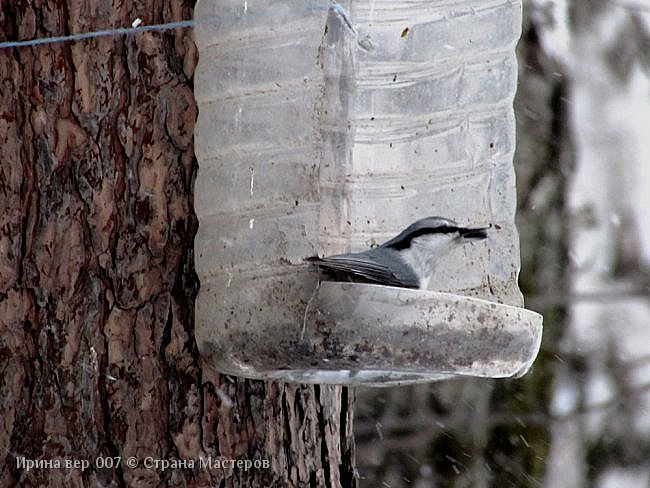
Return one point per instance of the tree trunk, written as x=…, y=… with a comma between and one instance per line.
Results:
x=97, y=352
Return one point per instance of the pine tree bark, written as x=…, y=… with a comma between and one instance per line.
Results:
x=97, y=286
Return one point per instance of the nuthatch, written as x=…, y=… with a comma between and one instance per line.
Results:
x=407, y=260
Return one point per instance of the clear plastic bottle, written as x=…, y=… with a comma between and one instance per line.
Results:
x=329, y=127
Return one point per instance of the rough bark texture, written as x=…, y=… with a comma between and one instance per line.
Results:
x=97, y=286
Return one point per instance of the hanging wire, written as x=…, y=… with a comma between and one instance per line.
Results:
x=120, y=31
x=639, y=5
x=135, y=29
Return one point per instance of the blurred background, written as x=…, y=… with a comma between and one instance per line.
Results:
x=581, y=416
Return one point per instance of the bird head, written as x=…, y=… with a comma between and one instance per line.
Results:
x=433, y=230
x=424, y=242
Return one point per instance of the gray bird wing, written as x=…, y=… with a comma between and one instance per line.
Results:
x=377, y=265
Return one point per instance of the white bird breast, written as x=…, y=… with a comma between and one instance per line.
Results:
x=424, y=253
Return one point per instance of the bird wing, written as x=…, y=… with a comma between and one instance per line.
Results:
x=376, y=265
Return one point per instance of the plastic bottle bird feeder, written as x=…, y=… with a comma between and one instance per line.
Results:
x=327, y=128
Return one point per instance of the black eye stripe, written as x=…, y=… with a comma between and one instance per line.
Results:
x=405, y=242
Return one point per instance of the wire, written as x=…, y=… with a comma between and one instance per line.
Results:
x=120, y=31
x=184, y=24
x=123, y=31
